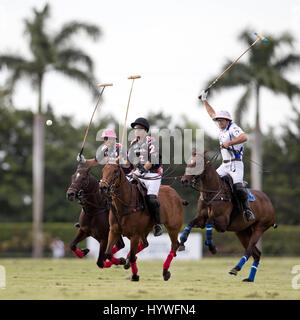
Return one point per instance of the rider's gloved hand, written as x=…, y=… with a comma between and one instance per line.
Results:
x=203, y=95
x=80, y=158
x=140, y=172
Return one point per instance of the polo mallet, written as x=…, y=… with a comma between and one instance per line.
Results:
x=101, y=85
x=124, y=128
x=259, y=37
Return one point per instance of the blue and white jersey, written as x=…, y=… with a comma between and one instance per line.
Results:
x=230, y=133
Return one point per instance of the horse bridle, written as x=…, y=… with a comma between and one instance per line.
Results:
x=111, y=185
x=81, y=194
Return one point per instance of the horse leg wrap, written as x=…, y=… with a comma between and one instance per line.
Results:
x=115, y=249
x=139, y=249
x=253, y=271
x=78, y=253
x=169, y=259
x=242, y=261
x=208, y=234
x=106, y=264
x=185, y=234
x=115, y=261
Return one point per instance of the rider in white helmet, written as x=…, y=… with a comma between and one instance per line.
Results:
x=232, y=139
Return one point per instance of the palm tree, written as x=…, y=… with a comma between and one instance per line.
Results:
x=50, y=52
x=265, y=69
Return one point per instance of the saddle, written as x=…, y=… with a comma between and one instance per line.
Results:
x=141, y=202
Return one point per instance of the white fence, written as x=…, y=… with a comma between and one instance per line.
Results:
x=158, y=249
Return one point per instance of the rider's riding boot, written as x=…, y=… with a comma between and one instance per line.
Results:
x=243, y=196
x=154, y=207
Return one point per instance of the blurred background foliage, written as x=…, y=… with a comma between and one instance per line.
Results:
x=281, y=167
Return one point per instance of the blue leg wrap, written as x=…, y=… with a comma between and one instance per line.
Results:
x=208, y=234
x=242, y=261
x=185, y=233
x=253, y=271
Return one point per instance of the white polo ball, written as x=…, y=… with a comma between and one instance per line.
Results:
x=49, y=123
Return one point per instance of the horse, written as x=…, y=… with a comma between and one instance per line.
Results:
x=130, y=217
x=215, y=208
x=93, y=219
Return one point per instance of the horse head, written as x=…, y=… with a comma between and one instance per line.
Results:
x=111, y=178
x=195, y=168
x=81, y=182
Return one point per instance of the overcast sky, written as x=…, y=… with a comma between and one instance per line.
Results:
x=174, y=45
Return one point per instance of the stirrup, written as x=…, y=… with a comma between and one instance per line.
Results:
x=158, y=230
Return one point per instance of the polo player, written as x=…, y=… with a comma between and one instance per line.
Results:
x=144, y=154
x=232, y=139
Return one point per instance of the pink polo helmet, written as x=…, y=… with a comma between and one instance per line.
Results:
x=109, y=133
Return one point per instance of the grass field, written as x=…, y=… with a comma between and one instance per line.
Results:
x=205, y=279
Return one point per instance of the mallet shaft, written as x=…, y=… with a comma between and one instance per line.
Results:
x=124, y=128
x=259, y=37
x=103, y=85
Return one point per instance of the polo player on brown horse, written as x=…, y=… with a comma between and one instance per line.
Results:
x=134, y=211
x=93, y=219
x=217, y=205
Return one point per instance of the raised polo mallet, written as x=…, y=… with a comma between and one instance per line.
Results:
x=124, y=128
x=101, y=85
x=259, y=37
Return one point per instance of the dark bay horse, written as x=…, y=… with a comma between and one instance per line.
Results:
x=93, y=218
x=129, y=217
x=214, y=209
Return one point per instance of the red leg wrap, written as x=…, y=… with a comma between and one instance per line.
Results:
x=169, y=259
x=78, y=253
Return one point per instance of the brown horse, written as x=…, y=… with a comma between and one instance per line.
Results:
x=215, y=209
x=93, y=218
x=129, y=216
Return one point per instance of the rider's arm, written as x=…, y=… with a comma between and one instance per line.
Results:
x=92, y=162
x=209, y=109
x=240, y=139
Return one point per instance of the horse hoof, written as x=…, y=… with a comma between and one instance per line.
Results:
x=212, y=249
x=233, y=272
x=247, y=280
x=85, y=251
x=181, y=247
x=135, y=277
x=166, y=275
x=127, y=264
x=122, y=261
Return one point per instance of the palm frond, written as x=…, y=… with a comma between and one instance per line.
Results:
x=287, y=62
x=10, y=61
x=74, y=27
x=272, y=79
x=238, y=75
x=70, y=56
x=81, y=77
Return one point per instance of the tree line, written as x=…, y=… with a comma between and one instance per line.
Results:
x=281, y=167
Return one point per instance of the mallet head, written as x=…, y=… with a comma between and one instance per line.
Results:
x=134, y=77
x=104, y=84
x=259, y=36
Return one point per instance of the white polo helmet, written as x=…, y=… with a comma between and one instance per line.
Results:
x=222, y=115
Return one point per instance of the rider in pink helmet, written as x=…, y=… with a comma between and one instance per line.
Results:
x=109, y=133
x=108, y=152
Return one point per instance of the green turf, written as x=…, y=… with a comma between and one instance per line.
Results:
x=205, y=279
